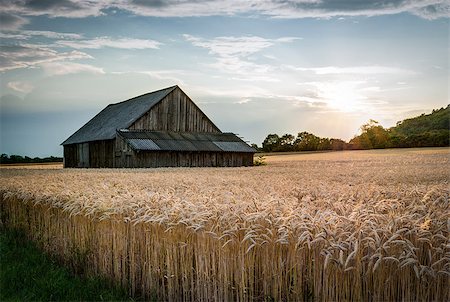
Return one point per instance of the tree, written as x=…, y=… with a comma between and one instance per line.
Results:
x=337, y=144
x=4, y=159
x=286, y=143
x=255, y=146
x=324, y=144
x=373, y=136
x=271, y=143
x=306, y=141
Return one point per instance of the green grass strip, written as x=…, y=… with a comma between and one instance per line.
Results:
x=26, y=274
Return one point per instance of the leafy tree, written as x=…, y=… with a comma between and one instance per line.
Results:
x=324, y=144
x=437, y=120
x=337, y=144
x=426, y=130
x=255, y=146
x=286, y=143
x=18, y=159
x=271, y=143
x=306, y=141
x=4, y=158
x=373, y=136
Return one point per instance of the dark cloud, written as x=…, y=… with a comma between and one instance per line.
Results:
x=429, y=9
x=44, y=5
x=441, y=10
x=53, y=8
x=10, y=21
x=152, y=3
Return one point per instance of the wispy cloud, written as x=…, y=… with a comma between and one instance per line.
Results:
x=11, y=21
x=31, y=55
x=236, y=46
x=357, y=70
x=26, y=34
x=123, y=43
x=232, y=54
x=20, y=86
x=63, y=68
x=56, y=8
x=173, y=75
x=344, y=95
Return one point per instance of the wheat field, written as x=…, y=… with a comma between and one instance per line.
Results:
x=338, y=226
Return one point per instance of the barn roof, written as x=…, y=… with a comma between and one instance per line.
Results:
x=140, y=140
x=103, y=126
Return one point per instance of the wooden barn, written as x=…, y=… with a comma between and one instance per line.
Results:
x=163, y=128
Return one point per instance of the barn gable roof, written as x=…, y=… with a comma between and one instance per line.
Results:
x=141, y=140
x=121, y=115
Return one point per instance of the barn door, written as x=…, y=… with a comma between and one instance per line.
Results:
x=83, y=155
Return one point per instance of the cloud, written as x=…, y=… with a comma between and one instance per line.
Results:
x=55, y=8
x=355, y=70
x=433, y=11
x=124, y=43
x=51, y=34
x=26, y=34
x=20, y=53
x=20, y=86
x=31, y=55
x=172, y=74
x=11, y=22
x=63, y=68
x=236, y=46
x=344, y=95
x=232, y=54
x=428, y=9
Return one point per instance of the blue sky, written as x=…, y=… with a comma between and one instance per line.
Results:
x=254, y=67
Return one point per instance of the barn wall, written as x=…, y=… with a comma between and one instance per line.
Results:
x=176, y=112
x=101, y=154
x=70, y=156
x=98, y=154
x=127, y=158
x=108, y=154
x=188, y=159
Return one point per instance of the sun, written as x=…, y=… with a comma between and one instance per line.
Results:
x=345, y=96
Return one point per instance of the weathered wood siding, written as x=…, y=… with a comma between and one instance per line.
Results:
x=182, y=159
x=98, y=154
x=176, y=112
x=70, y=156
x=101, y=154
x=125, y=157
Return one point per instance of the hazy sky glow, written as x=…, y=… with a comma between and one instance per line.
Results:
x=254, y=67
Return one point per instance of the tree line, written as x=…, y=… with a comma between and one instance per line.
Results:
x=432, y=130
x=18, y=159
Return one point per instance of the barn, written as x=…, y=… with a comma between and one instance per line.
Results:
x=163, y=128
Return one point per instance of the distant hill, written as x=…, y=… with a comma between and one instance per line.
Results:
x=437, y=120
x=426, y=130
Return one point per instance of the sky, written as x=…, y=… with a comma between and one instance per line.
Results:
x=254, y=67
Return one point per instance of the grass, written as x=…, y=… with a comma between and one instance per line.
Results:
x=26, y=274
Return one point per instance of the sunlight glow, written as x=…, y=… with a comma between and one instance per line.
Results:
x=344, y=96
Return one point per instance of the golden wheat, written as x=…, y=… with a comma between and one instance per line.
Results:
x=360, y=225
